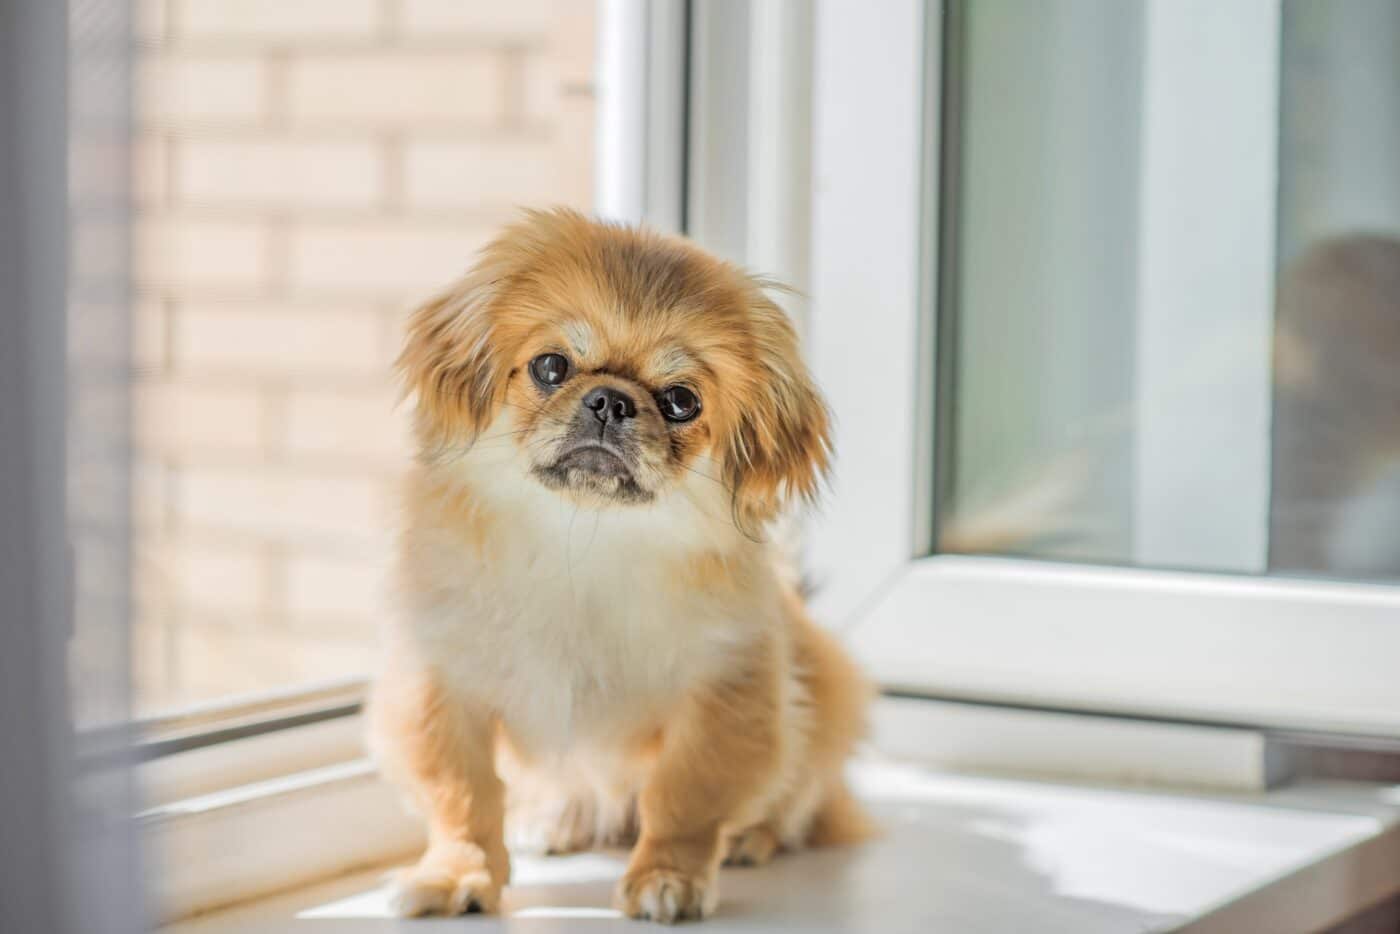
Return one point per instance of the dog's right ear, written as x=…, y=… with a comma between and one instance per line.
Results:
x=450, y=361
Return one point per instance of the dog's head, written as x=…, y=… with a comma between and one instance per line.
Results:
x=617, y=366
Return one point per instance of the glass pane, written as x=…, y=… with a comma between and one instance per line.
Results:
x=1170, y=316
x=302, y=180
x=1336, y=445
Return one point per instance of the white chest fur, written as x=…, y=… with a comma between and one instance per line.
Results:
x=578, y=626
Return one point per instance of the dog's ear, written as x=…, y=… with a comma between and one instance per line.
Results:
x=450, y=361
x=779, y=447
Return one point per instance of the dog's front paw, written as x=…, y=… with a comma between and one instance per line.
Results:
x=450, y=881
x=666, y=895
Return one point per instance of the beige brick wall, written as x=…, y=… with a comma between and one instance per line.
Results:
x=305, y=171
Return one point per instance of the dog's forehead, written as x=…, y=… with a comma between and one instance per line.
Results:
x=637, y=304
x=580, y=337
x=672, y=362
x=657, y=353
x=646, y=276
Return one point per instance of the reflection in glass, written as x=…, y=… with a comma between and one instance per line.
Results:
x=1336, y=466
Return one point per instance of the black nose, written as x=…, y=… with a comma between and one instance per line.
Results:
x=609, y=404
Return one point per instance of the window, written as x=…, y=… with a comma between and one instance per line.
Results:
x=304, y=175
x=1170, y=286
x=1146, y=313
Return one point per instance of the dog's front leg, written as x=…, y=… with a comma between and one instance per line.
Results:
x=717, y=763
x=441, y=749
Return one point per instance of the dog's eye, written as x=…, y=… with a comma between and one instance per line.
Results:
x=550, y=369
x=678, y=404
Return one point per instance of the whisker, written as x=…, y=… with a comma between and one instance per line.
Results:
x=701, y=473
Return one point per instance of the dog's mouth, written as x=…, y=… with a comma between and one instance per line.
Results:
x=595, y=459
x=593, y=468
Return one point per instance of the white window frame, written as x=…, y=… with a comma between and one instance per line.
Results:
x=1252, y=651
x=642, y=112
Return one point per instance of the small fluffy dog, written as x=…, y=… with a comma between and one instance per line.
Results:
x=608, y=420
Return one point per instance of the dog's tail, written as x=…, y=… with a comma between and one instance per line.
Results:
x=841, y=819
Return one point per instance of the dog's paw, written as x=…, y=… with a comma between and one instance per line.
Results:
x=753, y=846
x=452, y=883
x=570, y=823
x=574, y=829
x=666, y=895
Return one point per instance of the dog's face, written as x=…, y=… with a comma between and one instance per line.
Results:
x=618, y=364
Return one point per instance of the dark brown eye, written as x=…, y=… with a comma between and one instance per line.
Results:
x=550, y=369
x=678, y=404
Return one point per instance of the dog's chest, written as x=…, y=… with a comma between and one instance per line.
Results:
x=575, y=645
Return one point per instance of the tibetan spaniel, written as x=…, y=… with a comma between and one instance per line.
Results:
x=594, y=632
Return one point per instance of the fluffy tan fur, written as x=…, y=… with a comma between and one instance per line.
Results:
x=632, y=665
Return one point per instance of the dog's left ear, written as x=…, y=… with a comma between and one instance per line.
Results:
x=779, y=449
x=450, y=361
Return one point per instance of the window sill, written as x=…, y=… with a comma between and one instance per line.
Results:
x=230, y=846
x=963, y=853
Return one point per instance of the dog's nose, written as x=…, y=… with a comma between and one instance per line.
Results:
x=609, y=404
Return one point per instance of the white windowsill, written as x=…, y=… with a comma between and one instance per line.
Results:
x=964, y=853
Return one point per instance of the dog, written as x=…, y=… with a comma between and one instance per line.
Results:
x=608, y=423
